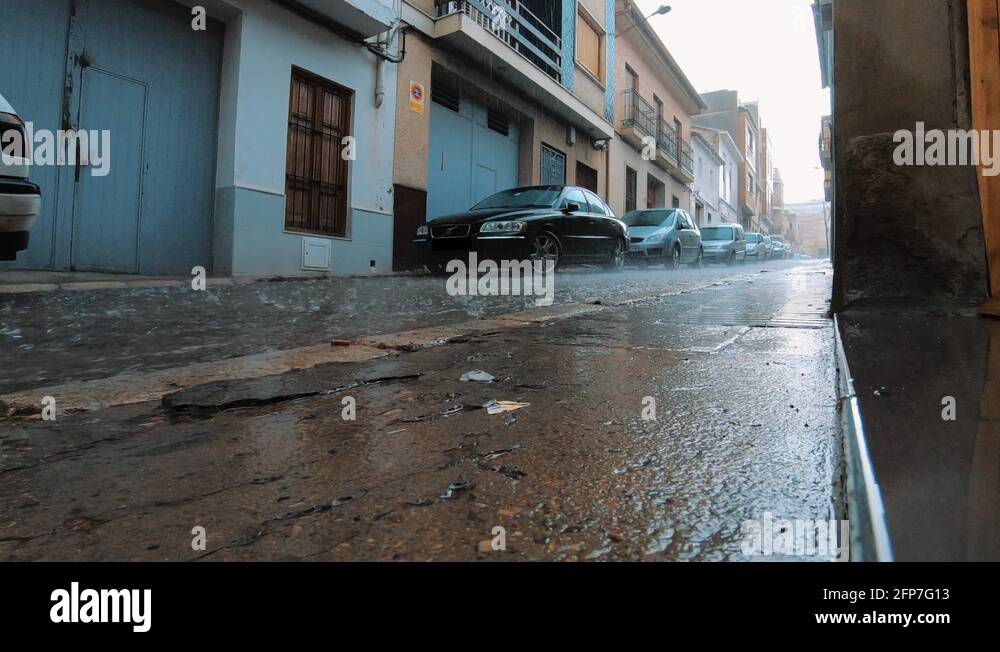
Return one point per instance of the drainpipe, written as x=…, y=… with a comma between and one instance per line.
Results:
x=379, y=82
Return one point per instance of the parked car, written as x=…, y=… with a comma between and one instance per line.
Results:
x=756, y=246
x=725, y=243
x=780, y=249
x=768, y=246
x=562, y=224
x=663, y=235
x=20, y=199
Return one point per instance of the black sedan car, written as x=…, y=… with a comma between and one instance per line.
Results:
x=562, y=224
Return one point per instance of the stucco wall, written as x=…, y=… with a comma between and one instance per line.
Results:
x=622, y=155
x=633, y=50
x=535, y=126
x=258, y=61
x=707, y=169
x=902, y=231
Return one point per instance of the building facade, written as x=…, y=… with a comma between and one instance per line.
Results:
x=709, y=168
x=812, y=221
x=725, y=147
x=725, y=112
x=651, y=162
x=226, y=131
x=496, y=95
x=765, y=167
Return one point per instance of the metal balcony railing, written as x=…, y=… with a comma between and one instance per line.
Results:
x=666, y=139
x=687, y=157
x=515, y=25
x=639, y=113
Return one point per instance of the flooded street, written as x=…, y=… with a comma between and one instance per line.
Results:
x=737, y=364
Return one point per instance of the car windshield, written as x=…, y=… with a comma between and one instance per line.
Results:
x=540, y=197
x=650, y=218
x=717, y=233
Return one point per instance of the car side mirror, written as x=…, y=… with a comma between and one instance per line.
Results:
x=571, y=207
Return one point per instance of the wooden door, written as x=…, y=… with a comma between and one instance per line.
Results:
x=984, y=51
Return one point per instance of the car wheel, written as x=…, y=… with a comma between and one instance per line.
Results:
x=545, y=248
x=617, y=261
x=698, y=261
x=732, y=259
x=674, y=262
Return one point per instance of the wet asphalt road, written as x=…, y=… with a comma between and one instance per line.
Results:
x=56, y=337
x=739, y=362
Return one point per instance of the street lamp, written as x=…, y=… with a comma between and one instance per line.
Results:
x=663, y=10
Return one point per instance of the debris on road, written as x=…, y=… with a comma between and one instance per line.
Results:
x=456, y=488
x=477, y=376
x=501, y=407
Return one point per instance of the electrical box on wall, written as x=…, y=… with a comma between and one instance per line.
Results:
x=571, y=135
x=316, y=254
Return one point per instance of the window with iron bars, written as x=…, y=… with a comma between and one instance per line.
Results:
x=316, y=173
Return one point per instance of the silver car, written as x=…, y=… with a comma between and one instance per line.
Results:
x=756, y=246
x=725, y=243
x=663, y=235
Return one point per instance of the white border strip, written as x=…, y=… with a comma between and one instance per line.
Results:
x=863, y=489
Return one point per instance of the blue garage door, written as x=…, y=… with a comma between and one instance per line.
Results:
x=137, y=69
x=473, y=153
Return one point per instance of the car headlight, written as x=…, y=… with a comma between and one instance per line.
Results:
x=423, y=231
x=656, y=238
x=503, y=227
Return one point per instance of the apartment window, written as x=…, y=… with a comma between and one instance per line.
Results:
x=631, y=189
x=589, y=36
x=655, y=192
x=319, y=118
x=631, y=78
x=553, y=166
x=749, y=182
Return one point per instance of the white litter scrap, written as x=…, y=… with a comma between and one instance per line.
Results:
x=477, y=376
x=500, y=407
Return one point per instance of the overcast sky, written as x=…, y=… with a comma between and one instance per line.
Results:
x=765, y=49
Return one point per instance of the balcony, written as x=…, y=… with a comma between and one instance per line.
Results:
x=505, y=38
x=674, y=154
x=364, y=18
x=639, y=123
x=512, y=22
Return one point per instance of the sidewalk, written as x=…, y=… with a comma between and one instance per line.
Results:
x=29, y=281
x=940, y=479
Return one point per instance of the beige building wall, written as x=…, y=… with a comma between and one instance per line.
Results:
x=410, y=167
x=624, y=155
x=635, y=51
